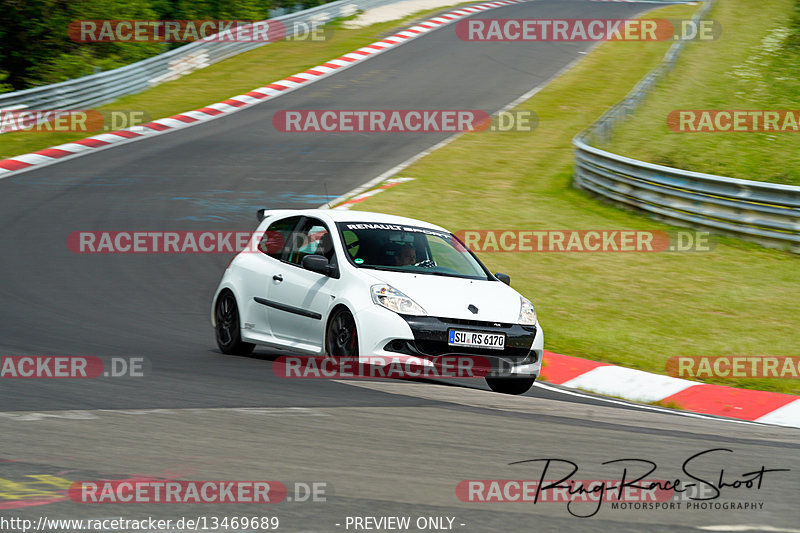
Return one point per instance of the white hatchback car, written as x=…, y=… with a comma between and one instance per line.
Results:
x=358, y=284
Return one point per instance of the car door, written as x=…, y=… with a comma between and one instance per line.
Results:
x=298, y=298
x=261, y=265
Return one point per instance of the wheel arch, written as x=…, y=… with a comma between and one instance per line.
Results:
x=336, y=307
x=220, y=290
x=332, y=312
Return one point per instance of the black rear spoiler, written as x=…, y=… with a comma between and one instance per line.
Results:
x=261, y=214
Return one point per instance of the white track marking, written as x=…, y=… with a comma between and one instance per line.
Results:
x=787, y=415
x=91, y=414
x=629, y=383
x=743, y=527
x=641, y=406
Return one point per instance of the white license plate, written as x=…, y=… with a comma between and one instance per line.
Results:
x=476, y=339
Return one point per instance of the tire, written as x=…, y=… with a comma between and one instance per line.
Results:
x=510, y=385
x=341, y=336
x=227, y=329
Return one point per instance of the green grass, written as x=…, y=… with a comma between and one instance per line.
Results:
x=635, y=310
x=747, y=68
x=237, y=75
x=667, y=405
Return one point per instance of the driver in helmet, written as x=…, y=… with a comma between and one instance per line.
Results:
x=406, y=256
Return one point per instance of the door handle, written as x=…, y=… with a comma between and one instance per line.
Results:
x=277, y=277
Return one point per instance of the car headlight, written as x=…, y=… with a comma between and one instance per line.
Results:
x=527, y=313
x=394, y=300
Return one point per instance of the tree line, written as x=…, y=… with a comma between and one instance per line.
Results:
x=35, y=48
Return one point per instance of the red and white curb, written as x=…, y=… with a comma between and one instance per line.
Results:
x=51, y=155
x=636, y=385
x=388, y=184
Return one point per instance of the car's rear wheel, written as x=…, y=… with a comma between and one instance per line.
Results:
x=510, y=385
x=341, y=339
x=226, y=316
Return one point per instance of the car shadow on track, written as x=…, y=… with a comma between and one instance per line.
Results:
x=272, y=356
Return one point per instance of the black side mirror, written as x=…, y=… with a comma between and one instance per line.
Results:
x=505, y=278
x=318, y=264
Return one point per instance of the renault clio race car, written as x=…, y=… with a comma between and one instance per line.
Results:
x=350, y=284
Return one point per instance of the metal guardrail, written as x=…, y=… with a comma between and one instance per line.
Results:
x=104, y=87
x=766, y=213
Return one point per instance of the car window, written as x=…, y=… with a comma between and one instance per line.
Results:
x=351, y=242
x=404, y=248
x=312, y=238
x=275, y=241
x=450, y=257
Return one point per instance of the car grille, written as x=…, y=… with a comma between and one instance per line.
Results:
x=477, y=323
x=431, y=333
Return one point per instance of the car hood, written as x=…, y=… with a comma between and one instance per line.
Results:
x=450, y=297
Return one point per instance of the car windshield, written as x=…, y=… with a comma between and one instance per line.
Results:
x=403, y=248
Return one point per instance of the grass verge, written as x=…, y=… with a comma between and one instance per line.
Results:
x=752, y=66
x=630, y=309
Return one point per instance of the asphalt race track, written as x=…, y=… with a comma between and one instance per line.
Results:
x=383, y=448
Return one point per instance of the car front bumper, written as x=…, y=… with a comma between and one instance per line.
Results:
x=521, y=356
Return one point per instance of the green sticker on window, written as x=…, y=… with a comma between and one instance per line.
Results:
x=358, y=261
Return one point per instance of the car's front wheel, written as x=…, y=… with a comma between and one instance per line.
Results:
x=510, y=385
x=226, y=317
x=341, y=339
